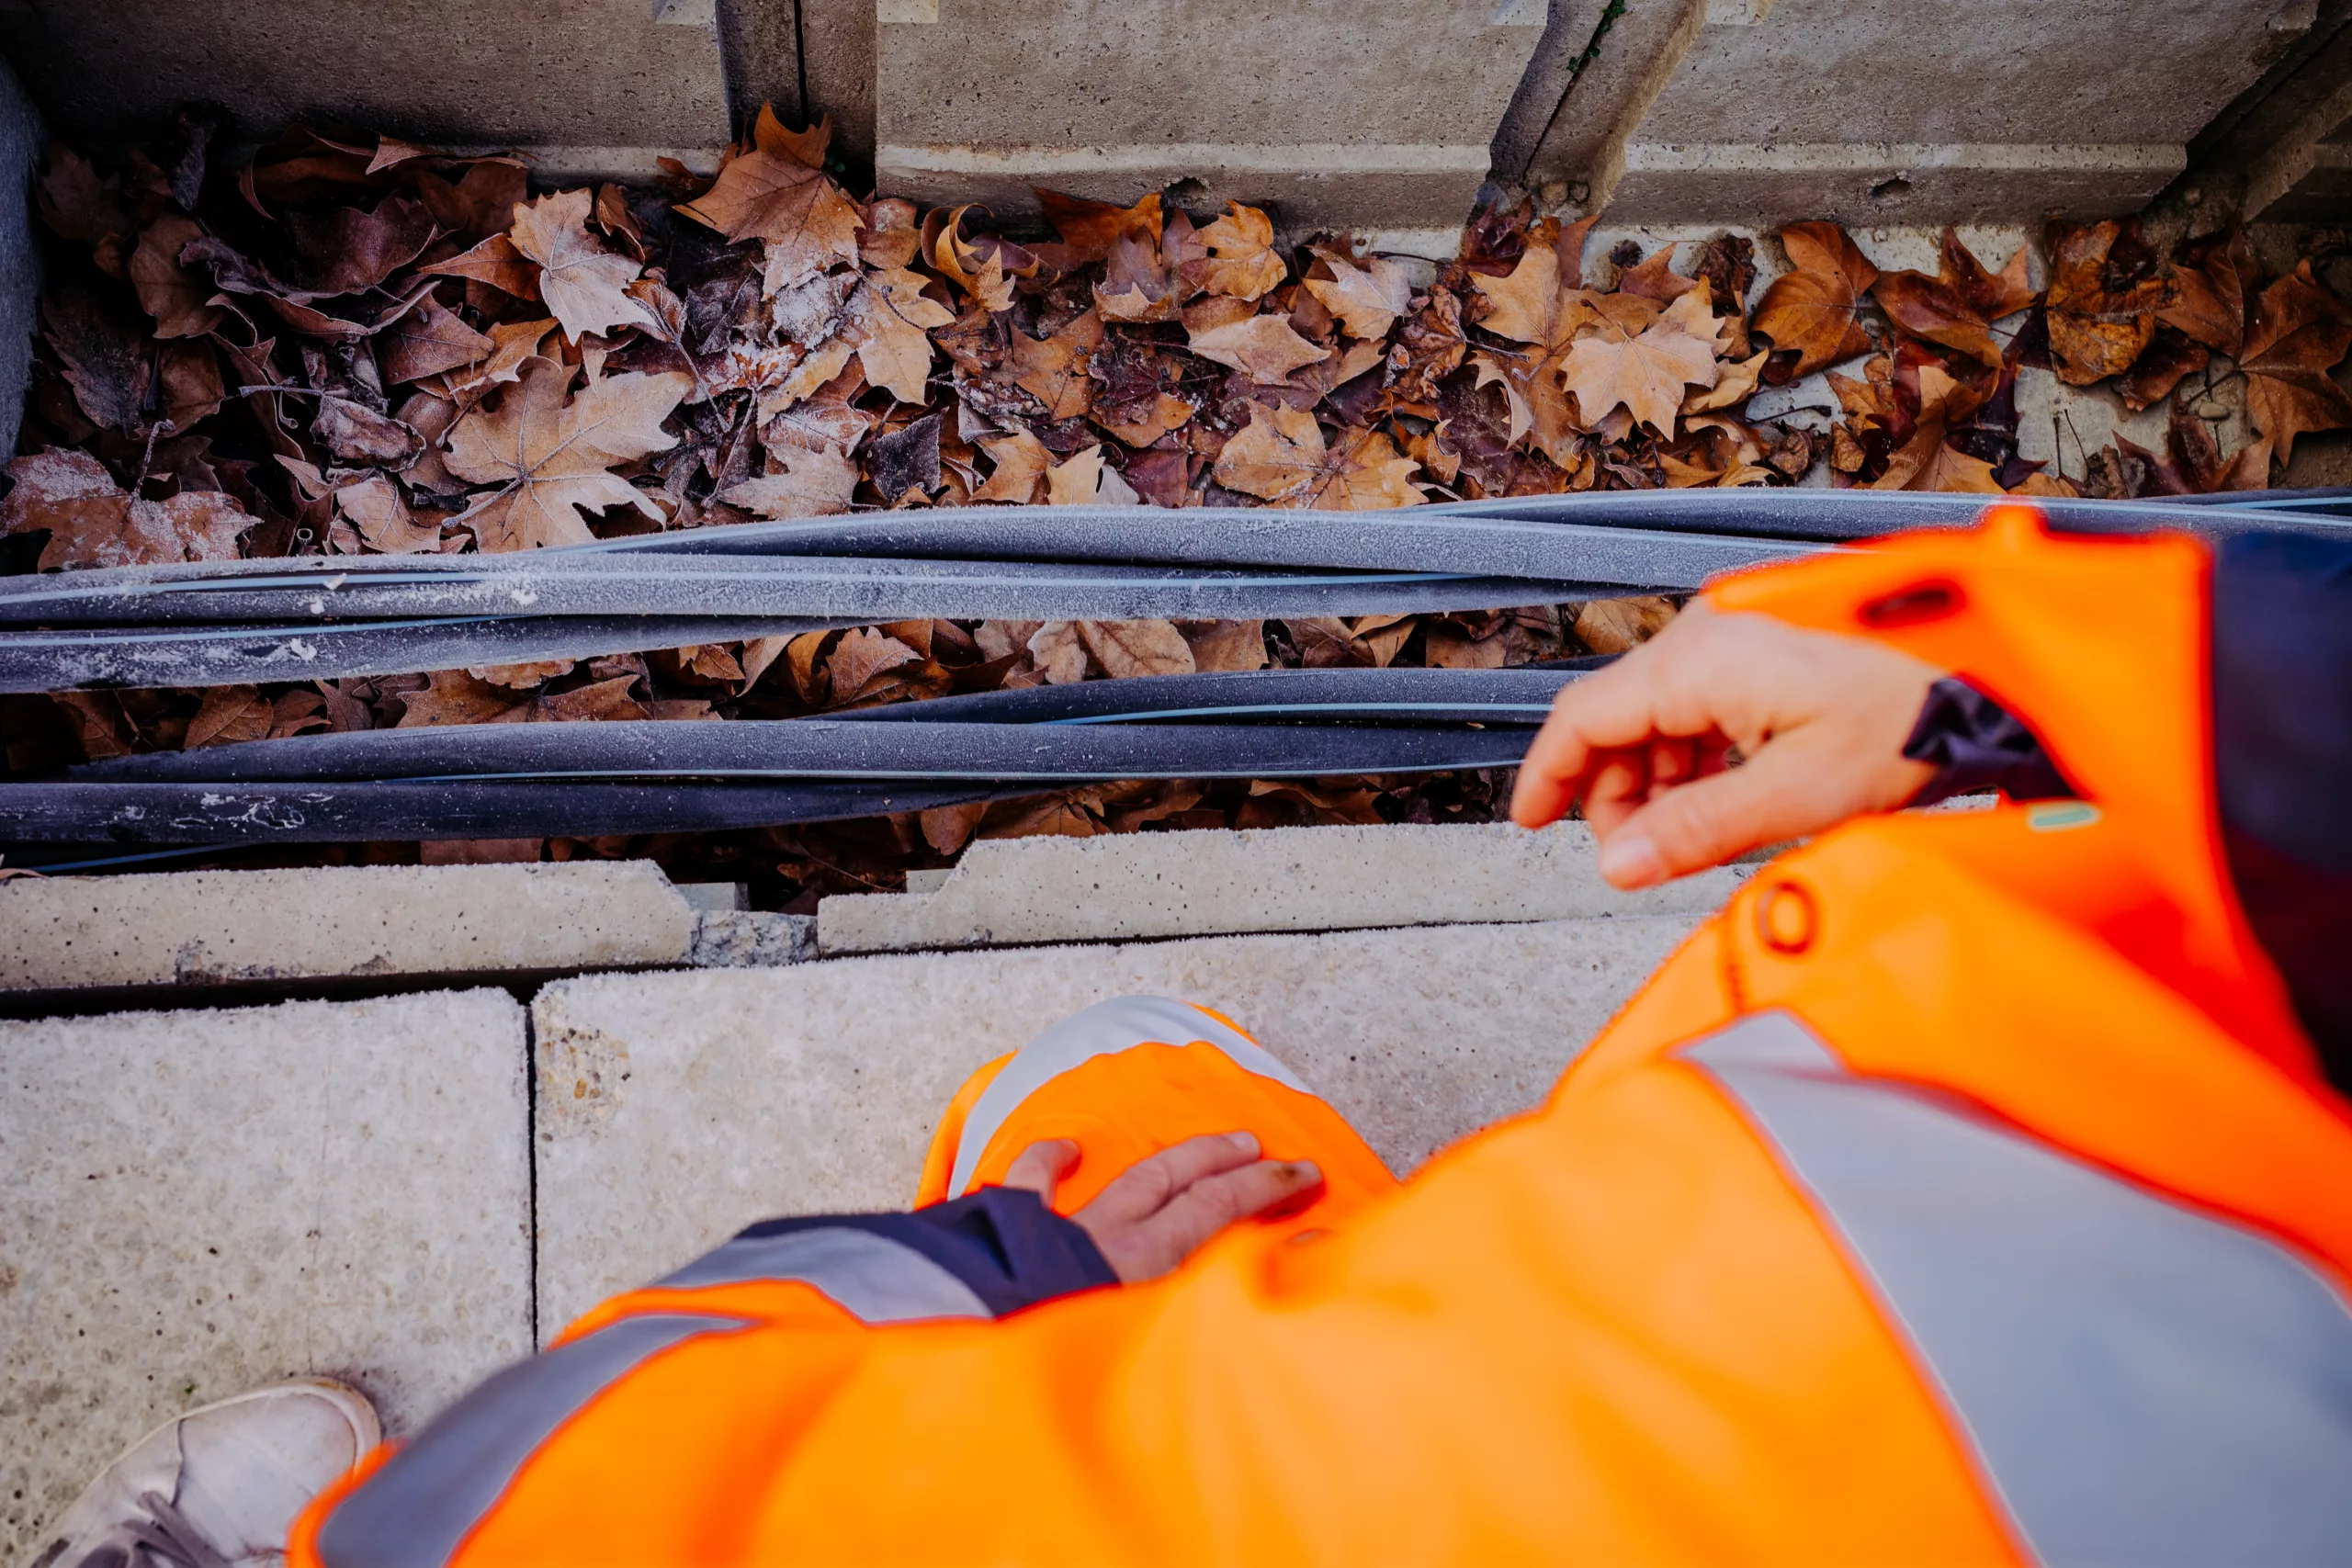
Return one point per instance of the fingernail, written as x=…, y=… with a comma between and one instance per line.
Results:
x=1245, y=1142
x=1305, y=1173
x=1629, y=859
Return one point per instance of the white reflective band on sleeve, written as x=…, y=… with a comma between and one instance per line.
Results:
x=871, y=1276
x=417, y=1510
x=2142, y=1383
x=1102, y=1030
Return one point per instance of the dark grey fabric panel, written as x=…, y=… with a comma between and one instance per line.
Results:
x=416, y=1510
x=2143, y=1384
x=871, y=1276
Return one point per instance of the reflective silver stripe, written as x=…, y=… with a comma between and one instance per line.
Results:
x=869, y=1275
x=1102, y=1030
x=2142, y=1383
x=416, y=1510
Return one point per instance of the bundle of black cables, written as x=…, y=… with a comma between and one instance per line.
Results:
x=328, y=618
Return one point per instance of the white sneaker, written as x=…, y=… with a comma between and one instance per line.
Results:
x=218, y=1487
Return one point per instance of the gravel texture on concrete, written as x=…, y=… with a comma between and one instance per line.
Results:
x=196, y=1203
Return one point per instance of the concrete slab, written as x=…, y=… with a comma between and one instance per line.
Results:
x=1911, y=111
x=674, y=1109
x=602, y=86
x=1332, y=112
x=193, y=1203
x=1016, y=892
x=218, y=928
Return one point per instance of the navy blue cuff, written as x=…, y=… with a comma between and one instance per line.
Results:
x=1977, y=744
x=1001, y=1242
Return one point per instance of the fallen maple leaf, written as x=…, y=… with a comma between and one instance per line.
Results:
x=1812, y=308
x=1280, y=457
x=1074, y=481
x=177, y=298
x=1956, y=307
x=374, y=508
x=1615, y=626
x=430, y=340
x=94, y=522
x=889, y=315
x=1054, y=369
x=494, y=262
x=1367, y=300
x=1127, y=648
x=1242, y=263
x=2095, y=329
x=1265, y=348
x=106, y=356
x=584, y=283
x=1219, y=647
x=812, y=484
x=549, y=456
x=1645, y=374
x=773, y=195
x=1021, y=461
x=2209, y=278
x=2298, y=332
x=1088, y=229
x=860, y=655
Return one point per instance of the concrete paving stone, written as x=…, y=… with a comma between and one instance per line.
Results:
x=674, y=1109
x=209, y=928
x=596, y=87
x=195, y=1203
x=1015, y=892
x=1332, y=112
x=1920, y=110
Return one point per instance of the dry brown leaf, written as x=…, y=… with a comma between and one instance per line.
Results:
x=889, y=316
x=92, y=521
x=1280, y=457
x=515, y=345
x=1812, y=308
x=177, y=298
x=1166, y=414
x=549, y=456
x=1956, y=307
x=585, y=286
x=494, y=262
x=1021, y=461
x=430, y=340
x=892, y=236
x=374, y=508
x=229, y=714
x=861, y=655
x=2298, y=333
x=1613, y=625
x=1367, y=300
x=2210, y=279
x=533, y=673
x=1053, y=370
x=769, y=194
x=1645, y=374
x=1654, y=278
x=1222, y=646
x=1074, y=480
x=1058, y=652
x=1738, y=381
x=1089, y=228
x=813, y=484
x=1263, y=347
x=1242, y=263
x=1137, y=647
x=2096, y=330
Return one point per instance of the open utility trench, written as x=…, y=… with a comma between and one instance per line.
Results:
x=398, y=1123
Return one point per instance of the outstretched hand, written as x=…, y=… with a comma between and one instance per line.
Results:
x=1152, y=1217
x=1818, y=719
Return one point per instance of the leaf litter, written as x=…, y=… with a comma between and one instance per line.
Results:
x=357, y=345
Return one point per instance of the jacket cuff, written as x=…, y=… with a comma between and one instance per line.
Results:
x=1976, y=744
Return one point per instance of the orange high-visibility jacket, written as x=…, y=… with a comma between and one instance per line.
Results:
x=1964, y=1192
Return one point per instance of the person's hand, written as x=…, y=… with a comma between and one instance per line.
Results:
x=1155, y=1213
x=1819, y=720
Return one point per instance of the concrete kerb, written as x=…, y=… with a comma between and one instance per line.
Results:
x=1028, y=892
